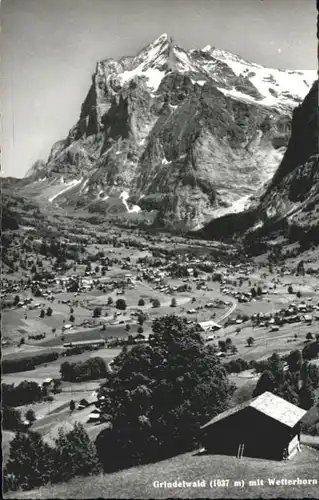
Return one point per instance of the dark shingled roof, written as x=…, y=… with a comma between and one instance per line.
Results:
x=269, y=404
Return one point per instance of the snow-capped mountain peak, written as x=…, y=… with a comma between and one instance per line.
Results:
x=236, y=78
x=278, y=87
x=183, y=132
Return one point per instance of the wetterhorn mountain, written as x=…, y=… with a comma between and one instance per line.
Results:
x=184, y=134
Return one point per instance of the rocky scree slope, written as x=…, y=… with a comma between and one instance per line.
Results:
x=182, y=134
x=290, y=204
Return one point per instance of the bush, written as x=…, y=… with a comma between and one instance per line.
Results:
x=156, y=303
x=24, y=393
x=33, y=463
x=141, y=318
x=97, y=312
x=11, y=418
x=121, y=304
x=91, y=369
x=30, y=416
x=75, y=455
x=27, y=363
x=236, y=365
x=311, y=350
x=141, y=302
x=30, y=464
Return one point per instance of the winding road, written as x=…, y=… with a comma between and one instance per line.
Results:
x=228, y=313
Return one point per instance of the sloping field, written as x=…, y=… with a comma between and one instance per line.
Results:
x=140, y=482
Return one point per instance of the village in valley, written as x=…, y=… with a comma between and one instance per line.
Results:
x=71, y=305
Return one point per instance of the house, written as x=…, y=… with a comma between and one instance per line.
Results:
x=140, y=337
x=308, y=318
x=266, y=426
x=210, y=325
x=88, y=401
x=48, y=383
x=274, y=328
x=221, y=354
x=67, y=326
x=95, y=416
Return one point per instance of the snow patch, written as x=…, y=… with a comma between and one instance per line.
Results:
x=165, y=161
x=199, y=82
x=239, y=95
x=124, y=196
x=271, y=212
x=83, y=186
x=184, y=64
x=69, y=186
x=257, y=225
x=238, y=206
x=289, y=85
x=153, y=76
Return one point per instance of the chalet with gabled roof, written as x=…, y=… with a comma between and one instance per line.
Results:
x=266, y=426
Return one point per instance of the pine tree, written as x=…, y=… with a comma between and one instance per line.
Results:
x=265, y=383
x=75, y=454
x=30, y=463
x=306, y=396
x=294, y=360
x=30, y=416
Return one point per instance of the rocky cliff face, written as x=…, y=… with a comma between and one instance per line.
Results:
x=183, y=134
x=291, y=200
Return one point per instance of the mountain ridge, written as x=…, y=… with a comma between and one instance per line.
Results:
x=290, y=202
x=177, y=133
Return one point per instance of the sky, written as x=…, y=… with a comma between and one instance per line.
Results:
x=49, y=50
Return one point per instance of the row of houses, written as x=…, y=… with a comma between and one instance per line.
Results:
x=294, y=313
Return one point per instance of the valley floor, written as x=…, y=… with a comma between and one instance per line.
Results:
x=199, y=298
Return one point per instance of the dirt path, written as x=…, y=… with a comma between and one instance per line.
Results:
x=228, y=313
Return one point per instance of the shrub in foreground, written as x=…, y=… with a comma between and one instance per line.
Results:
x=33, y=463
